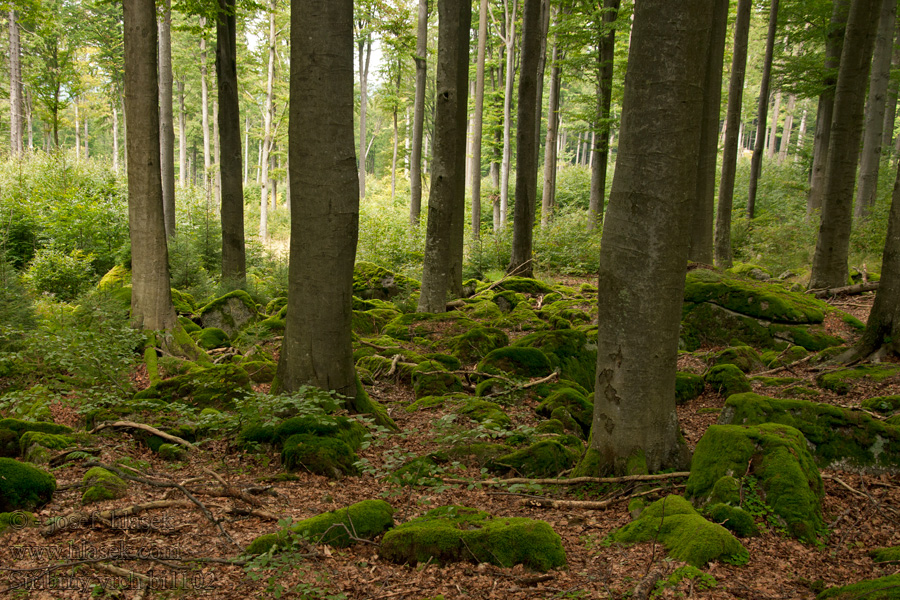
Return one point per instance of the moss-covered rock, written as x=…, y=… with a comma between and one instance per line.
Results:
x=260, y=371
x=475, y=344
x=838, y=437
x=347, y=430
x=478, y=454
x=524, y=285
x=518, y=361
x=19, y=426
x=777, y=456
x=380, y=366
x=507, y=300
x=687, y=386
x=728, y=380
x=373, y=282
x=435, y=327
x=547, y=458
x=372, y=321
x=451, y=363
x=340, y=528
x=487, y=413
x=484, y=310
x=328, y=456
x=883, y=588
x=574, y=403
x=211, y=337
x=183, y=302
x=215, y=386
x=843, y=380
x=430, y=378
x=521, y=318
x=171, y=452
x=23, y=487
x=16, y=520
x=744, y=358
x=570, y=352
x=881, y=555
x=459, y=534
x=433, y=402
x=882, y=404
x=35, y=446
x=774, y=358
x=574, y=311
x=684, y=532
x=734, y=519
x=231, y=312
x=102, y=485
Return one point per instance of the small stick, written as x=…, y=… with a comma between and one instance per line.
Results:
x=132, y=425
x=571, y=481
x=582, y=504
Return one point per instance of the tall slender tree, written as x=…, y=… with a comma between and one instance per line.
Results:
x=415, y=163
x=550, y=158
x=166, y=118
x=478, y=118
x=16, y=107
x=268, y=122
x=510, y=9
x=762, y=111
x=606, y=52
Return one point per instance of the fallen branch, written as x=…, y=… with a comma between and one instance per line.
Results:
x=787, y=367
x=573, y=480
x=233, y=492
x=254, y=512
x=63, y=456
x=643, y=589
x=148, y=428
x=583, y=504
x=847, y=290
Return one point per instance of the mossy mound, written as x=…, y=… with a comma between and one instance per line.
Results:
x=518, y=361
x=16, y=520
x=433, y=402
x=483, y=310
x=728, y=380
x=880, y=555
x=364, y=520
x=231, y=312
x=459, y=534
x=568, y=401
x=35, y=446
x=838, y=437
x=19, y=427
x=734, y=519
x=432, y=327
x=684, y=532
x=547, y=458
x=688, y=386
x=477, y=343
x=23, y=487
x=479, y=454
x=347, y=430
x=521, y=318
x=9, y=443
x=744, y=358
x=524, y=285
x=574, y=311
x=183, y=302
x=449, y=362
x=777, y=456
x=430, y=378
x=260, y=371
x=215, y=386
x=843, y=380
x=750, y=270
x=487, y=413
x=102, y=485
x=883, y=588
x=773, y=358
x=507, y=300
x=171, y=452
x=211, y=337
x=373, y=282
x=570, y=352
x=800, y=391
x=370, y=322
x=882, y=404
x=326, y=456
x=775, y=381
x=380, y=366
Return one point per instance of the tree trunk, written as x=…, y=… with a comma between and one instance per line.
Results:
x=77, y=130
x=234, y=262
x=115, y=129
x=834, y=42
x=266, y=143
x=549, y=191
x=786, y=130
x=772, y=149
x=87, y=145
x=15, y=87
x=600, y=156
x=29, y=114
x=446, y=202
x=526, y=143
x=151, y=298
x=182, y=137
x=204, y=109
x=890, y=113
x=365, y=56
x=415, y=167
x=510, y=42
x=701, y=246
x=478, y=120
x=246, y=178
x=870, y=158
x=762, y=112
x=829, y=268
x=396, y=139
x=733, y=134
x=641, y=284
x=166, y=124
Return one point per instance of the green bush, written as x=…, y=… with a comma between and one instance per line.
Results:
x=66, y=276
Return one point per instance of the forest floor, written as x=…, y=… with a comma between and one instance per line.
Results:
x=861, y=512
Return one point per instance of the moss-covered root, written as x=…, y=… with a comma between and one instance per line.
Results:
x=364, y=520
x=684, y=532
x=102, y=485
x=363, y=404
x=884, y=555
x=459, y=534
x=884, y=588
x=178, y=342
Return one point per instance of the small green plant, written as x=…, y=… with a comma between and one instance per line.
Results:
x=756, y=506
x=692, y=577
x=64, y=275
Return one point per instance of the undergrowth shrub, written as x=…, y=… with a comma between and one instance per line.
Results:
x=64, y=275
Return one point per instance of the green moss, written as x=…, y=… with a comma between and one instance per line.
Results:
x=23, y=487
x=726, y=490
x=777, y=456
x=215, y=386
x=231, y=312
x=893, y=421
x=20, y=426
x=115, y=278
x=709, y=324
x=521, y=318
x=381, y=365
x=885, y=554
x=373, y=282
x=476, y=343
x=102, y=485
x=484, y=310
x=17, y=520
x=188, y=325
x=883, y=588
x=547, y=458
x=372, y=321
x=810, y=337
x=573, y=311
x=433, y=327
x=843, y=380
x=744, y=358
x=524, y=285
x=326, y=456
x=522, y=362
x=451, y=363
x=574, y=403
x=342, y=428
x=734, y=519
x=479, y=453
x=430, y=378
x=459, y=534
x=727, y=380
x=170, y=452
x=839, y=437
x=183, y=302
x=775, y=381
x=773, y=358
x=211, y=337
x=50, y=441
x=882, y=404
x=487, y=413
x=687, y=386
x=569, y=351
x=433, y=402
x=800, y=391
x=554, y=426
x=260, y=371
x=590, y=465
x=276, y=304
x=364, y=520
x=827, y=354
x=749, y=270
x=636, y=463
x=273, y=325
x=684, y=532
x=364, y=405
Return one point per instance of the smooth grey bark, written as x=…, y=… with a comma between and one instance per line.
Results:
x=478, y=119
x=733, y=134
x=834, y=43
x=446, y=202
x=701, y=246
x=526, y=143
x=786, y=130
x=509, y=41
x=829, y=267
x=364, y=45
x=549, y=191
x=16, y=107
x=600, y=156
x=204, y=109
x=268, y=117
x=890, y=113
x=396, y=140
x=325, y=200
x=166, y=124
x=151, y=297
x=234, y=260
x=870, y=159
x=772, y=145
x=762, y=111
x=115, y=131
x=415, y=164
x=182, y=137
x=643, y=254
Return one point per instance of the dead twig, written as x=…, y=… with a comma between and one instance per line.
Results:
x=149, y=429
x=571, y=481
x=583, y=504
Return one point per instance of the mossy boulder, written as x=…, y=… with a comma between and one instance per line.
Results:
x=369, y=322
x=211, y=338
x=102, y=485
x=883, y=588
x=19, y=427
x=171, y=452
x=364, y=520
x=882, y=404
x=728, y=380
x=518, y=361
x=507, y=300
x=684, y=532
x=460, y=534
x=479, y=454
x=734, y=519
x=881, y=555
x=744, y=358
x=183, y=302
x=484, y=310
x=430, y=378
x=574, y=311
x=546, y=458
x=215, y=386
x=476, y=343
x=450, y=362
x=573, y=403
x=9, y=443
x=328, y=456
x=524, y=285
x=35, y=446
x=380, y=366
x=260, y=371
x=842, y=381
x=434, y=327
x=433, y=402
x=777, y=457
x=838, y=437
x=373, y=282
x=688, y=386
x=774, y=358
x=347, y=430
x=570, y=352
x=521, y=318
x=16, y=520
x=231, y=312
x=24, y=487
x=487, y=413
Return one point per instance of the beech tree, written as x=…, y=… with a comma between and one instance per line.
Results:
x=166, y=125
x=645, y=241
x=478, y=118
x=16, y=104
x=415, y=161
x=762, y=112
